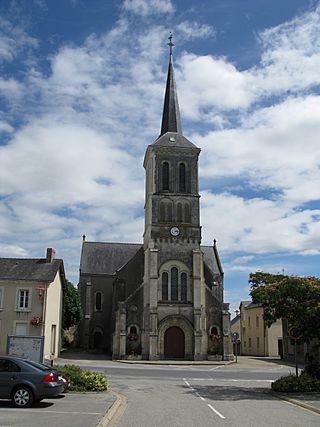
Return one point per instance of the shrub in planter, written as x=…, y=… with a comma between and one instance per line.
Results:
x=292, y=383
x=81, y=380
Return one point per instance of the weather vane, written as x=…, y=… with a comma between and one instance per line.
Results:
x=170, y=44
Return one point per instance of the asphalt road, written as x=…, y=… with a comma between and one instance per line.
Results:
x=172, y=396
x=191, y=396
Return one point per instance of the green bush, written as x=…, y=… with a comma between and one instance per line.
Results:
x=292, y=383
x=81, y=380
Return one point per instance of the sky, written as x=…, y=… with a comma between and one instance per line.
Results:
x=81, y=95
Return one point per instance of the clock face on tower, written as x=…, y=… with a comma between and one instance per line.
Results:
x=175, y=231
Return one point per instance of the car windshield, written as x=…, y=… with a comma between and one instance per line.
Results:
x=38, y=365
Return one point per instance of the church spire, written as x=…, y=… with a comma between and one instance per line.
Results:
x=171, y=115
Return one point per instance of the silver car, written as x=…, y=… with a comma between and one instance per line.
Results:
x=25, y=382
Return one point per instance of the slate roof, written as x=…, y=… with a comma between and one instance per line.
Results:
x=171, y=114
x=211, y=258
x=34, y=269
x=106, y=258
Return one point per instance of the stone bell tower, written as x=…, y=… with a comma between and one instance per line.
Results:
x=174, y=284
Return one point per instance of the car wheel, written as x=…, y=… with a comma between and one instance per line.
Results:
x=22, y=397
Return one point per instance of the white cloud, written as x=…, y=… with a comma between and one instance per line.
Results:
x=275, y=149
x=8, y=251
x=5, y=127
x=148, y=7
x=13, y=40
x=258, y=225
x=208, y=83
x=291, y=55
x=194, y=30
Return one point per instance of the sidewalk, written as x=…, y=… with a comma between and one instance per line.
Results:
x=310, y=401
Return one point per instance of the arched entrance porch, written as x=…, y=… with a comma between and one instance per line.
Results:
x=175, y=338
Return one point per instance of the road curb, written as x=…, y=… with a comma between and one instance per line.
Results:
x=173, y=363
x=296, y=402
x=115, y=410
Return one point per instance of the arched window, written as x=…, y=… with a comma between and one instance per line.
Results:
x=184, y=288
x=165, y=176
x=182, y=177
x=162, y=212
x=187, y=213
x=214, y=330
x=179, y=212
x=165, y=280
x=98, y=302
x=133, y=330
x=174, y=284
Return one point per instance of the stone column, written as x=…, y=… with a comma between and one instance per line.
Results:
x=153, y=284
x=149, y=336
x=227, y=339
x=198, y=301
x=122, y=330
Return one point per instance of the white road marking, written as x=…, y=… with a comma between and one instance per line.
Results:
x=216, y=412
x=231, y=380
x=216, y=367
x=203, y=399
x=34, y=411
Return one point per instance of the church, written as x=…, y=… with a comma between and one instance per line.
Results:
x=163, y=298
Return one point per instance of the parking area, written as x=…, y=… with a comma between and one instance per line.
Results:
x=72, y=409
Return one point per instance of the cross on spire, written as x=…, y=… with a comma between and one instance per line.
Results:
x=170, y=44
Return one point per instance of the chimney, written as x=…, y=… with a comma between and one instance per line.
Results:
x=51, y=253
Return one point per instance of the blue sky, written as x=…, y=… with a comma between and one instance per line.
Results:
x=81, y=94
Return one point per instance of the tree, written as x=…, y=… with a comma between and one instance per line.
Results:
x=297, y=299
x=72, y=310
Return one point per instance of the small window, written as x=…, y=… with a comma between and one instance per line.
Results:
x=249, y=320
x=165, y=176
x=257, y=321
x=249, y=342
x=182, y=177
x=165, y=286
x=23, y=299
x=258, y=342
x=98, y=301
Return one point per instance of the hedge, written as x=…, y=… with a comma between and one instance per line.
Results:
x=81, y=380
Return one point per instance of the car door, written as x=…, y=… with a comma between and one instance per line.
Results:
x=9, y=377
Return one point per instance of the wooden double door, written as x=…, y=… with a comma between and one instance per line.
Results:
x=174, y=343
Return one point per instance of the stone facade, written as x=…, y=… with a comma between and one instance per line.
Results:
x=164, y=298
